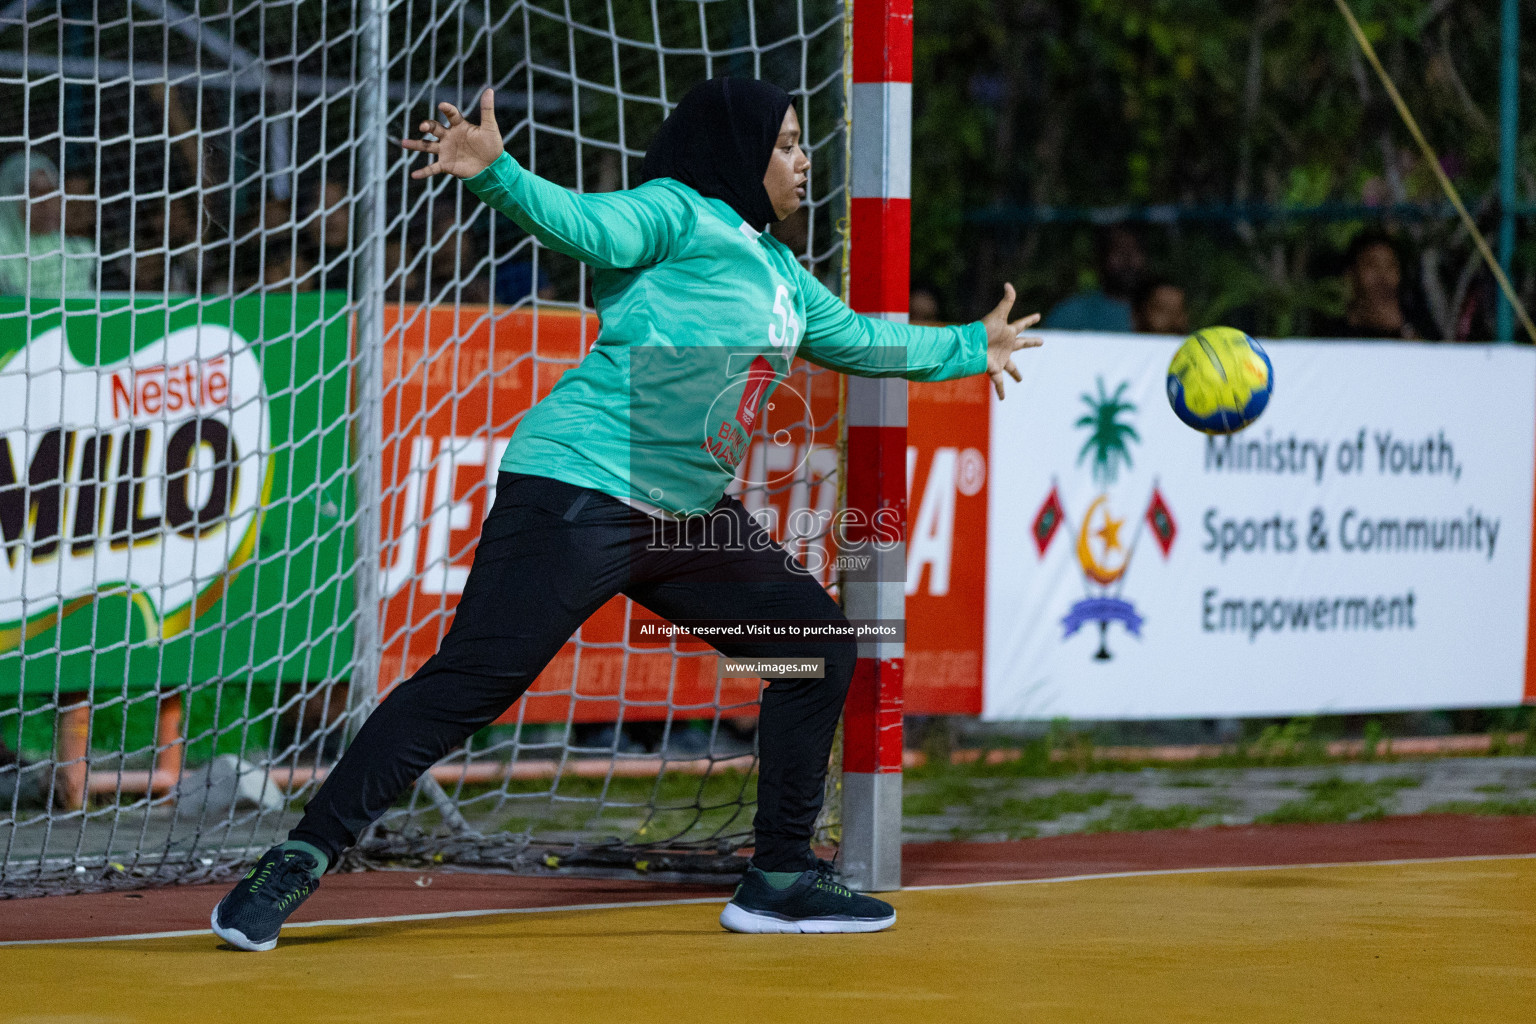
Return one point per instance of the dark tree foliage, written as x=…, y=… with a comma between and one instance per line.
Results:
x=1105, y=103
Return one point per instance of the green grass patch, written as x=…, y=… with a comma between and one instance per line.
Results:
x=1493, y=787
x=1066, y=751
x=1338, y=799
x=993, y=808
x=1136, y=818
x=939, y=792
x=1017, y=817
x=1052, y=805
x=1490, y=807
x=1294, y=743
x=990, y=810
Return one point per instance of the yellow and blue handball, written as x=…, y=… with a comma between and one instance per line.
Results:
x=1220, y=380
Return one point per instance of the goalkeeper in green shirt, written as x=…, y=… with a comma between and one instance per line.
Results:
x=615, y=484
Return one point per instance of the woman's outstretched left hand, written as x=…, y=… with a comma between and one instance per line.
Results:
x=1005, y=338
x=458, y=147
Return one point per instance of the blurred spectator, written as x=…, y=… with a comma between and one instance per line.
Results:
x=166, y=256
x=456, y=259
x=326, y=233
x=1158, y=308
x=146, y=270
x=192, y=262
x=275, y=266
x=1120, y=264
x=1477, y=320
x=80, y=207
x=248, y=265
x=1374, y=306
x=180, y=242
x=266, y=256
x=35, y=255
x=400, y=286
x=276, y=215
x=286, y=267
x=922, y=306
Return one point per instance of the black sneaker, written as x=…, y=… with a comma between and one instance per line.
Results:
x=253, y=912
x=816, y=902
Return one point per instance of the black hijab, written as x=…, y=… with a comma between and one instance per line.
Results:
x=718, y=141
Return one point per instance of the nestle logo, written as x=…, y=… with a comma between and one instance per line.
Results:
x=171, y=388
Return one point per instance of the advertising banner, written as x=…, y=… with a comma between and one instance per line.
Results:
x=174, y=498
x=1365, y=545
x=947, y=438
x=456, y=386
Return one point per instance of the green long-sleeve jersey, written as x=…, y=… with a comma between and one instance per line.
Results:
x=701, y=318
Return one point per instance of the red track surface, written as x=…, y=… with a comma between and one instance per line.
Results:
x=389, y=893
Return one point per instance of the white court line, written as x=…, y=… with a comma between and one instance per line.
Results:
x=1054, y=880
x=388, y=919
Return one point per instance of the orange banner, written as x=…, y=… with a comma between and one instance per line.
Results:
x=947, y=447
x=455, y=387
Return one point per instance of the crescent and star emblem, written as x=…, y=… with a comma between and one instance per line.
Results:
x=1099, y=525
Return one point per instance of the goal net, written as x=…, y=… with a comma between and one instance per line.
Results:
x=255, y=382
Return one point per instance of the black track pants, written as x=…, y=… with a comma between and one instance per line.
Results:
x=551, y=554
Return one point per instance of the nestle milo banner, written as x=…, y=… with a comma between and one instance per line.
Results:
x=1365, y=545
x=174, y=498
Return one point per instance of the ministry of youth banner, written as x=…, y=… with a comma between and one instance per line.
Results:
x=1365, y=545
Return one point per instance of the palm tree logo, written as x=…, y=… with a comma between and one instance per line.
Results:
x=1105, y=543
x=1103, y=551
x=1108, y=437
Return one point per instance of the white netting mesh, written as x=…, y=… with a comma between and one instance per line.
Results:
x=200, y=207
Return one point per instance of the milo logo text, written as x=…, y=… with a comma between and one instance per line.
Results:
x=145, y=475
x=102, y=480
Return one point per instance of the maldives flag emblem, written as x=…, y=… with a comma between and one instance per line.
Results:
x=1161, y=521
x=1047, y=521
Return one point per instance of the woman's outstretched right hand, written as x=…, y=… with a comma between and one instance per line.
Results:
x=458, y=147
x=1005, y=338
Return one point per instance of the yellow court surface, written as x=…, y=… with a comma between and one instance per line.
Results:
x=1446, y=941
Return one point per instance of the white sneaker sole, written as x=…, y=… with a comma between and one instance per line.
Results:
x=237, y=938
x=736, y=918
